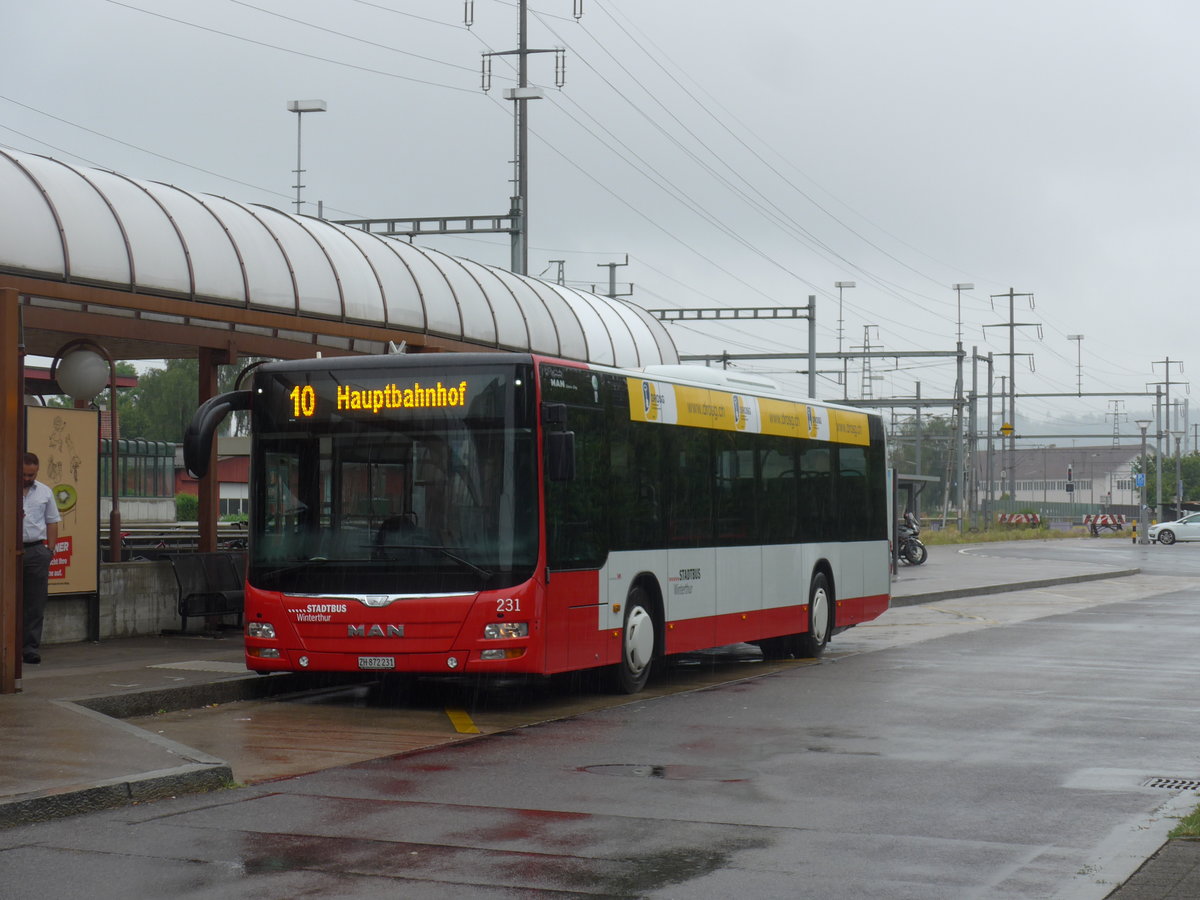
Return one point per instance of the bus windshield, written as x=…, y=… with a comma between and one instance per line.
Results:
x=361, y=497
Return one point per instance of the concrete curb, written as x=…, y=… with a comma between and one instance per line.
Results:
x=193, y=696
x=160, y=785
x=197, y=773
x=933, y=596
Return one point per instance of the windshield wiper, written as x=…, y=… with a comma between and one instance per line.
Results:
x=478, y=570
x=303, y=564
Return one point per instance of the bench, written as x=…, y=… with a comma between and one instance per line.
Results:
x=210, y=584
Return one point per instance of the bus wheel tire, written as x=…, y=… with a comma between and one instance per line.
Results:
x=637, y=645
x=812, y=644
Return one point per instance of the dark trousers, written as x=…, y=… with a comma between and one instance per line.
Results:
x=37, y=578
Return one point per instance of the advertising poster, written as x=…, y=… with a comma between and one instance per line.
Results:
x=67, y=443
x=668, y=404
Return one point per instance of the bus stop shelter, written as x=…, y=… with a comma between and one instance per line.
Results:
x=151, y=271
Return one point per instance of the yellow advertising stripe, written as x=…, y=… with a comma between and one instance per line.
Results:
x=702, y=408
x=849, y=427
x=787, y=419
x=462, y=722
x=723, y=411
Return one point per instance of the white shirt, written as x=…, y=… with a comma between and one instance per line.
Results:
x=40, y=509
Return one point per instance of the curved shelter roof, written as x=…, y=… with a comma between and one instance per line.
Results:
x=257, y=272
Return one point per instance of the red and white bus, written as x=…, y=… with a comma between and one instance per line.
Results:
x=503, y=513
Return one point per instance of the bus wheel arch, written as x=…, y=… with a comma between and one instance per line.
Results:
x=822, y=614
x=641, y=636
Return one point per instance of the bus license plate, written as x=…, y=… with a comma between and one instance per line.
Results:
x=377, y=662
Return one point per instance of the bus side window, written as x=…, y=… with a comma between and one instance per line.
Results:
x=852, y=493
x=577, y=510
x=690, y=498
x=778, y=487
x=875, y=512
x=734, y=489
x=816, y=494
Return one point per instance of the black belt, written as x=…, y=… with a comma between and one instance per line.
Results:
x=33, y=543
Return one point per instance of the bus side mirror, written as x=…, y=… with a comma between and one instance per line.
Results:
x=560, y=455
x=198, y=439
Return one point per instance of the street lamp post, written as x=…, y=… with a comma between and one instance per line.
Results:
x=300, y=107
x=845, y=371
x=81, y=368
x=1178, y=478
x=1143, y=516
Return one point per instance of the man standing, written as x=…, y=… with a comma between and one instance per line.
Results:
x=40, y=535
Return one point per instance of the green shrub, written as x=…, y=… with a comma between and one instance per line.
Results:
x=187, y=507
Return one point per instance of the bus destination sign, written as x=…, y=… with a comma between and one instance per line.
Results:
x=306, y=403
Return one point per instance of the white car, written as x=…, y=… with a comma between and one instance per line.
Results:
x=1185, y=529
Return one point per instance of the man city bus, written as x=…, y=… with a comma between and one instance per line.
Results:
x=512, y=513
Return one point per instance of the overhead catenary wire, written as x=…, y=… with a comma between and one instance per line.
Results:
x=909, y=314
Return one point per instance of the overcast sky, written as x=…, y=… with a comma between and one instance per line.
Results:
x=741, y=154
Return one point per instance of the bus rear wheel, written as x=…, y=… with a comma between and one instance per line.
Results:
x=637, y=645
x=812, y=643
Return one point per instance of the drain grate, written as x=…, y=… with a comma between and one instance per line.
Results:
x=1173, y=784
x=630, y=769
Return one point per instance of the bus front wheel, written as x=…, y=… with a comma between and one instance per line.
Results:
x=637, y=645
x=812, y=643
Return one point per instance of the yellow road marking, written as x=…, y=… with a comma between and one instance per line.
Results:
x=462, y=722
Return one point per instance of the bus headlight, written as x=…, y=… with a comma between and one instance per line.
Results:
x=502, y=630
x=511, y=653
x=260, y=630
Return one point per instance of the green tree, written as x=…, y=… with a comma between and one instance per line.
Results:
x=1189, y=468
x=162, y=404
x=937, y=448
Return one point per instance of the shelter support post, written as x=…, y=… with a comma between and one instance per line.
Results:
x=209, y=486
x=12, y=403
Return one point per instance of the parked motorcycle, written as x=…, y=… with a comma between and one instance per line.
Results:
x=911, y=550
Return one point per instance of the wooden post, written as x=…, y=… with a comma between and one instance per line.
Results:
x=12, y=409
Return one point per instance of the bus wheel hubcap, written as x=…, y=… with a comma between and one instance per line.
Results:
x=818, y=612
x=639, y=639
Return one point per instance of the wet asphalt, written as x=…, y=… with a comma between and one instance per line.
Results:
x=994, y=745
